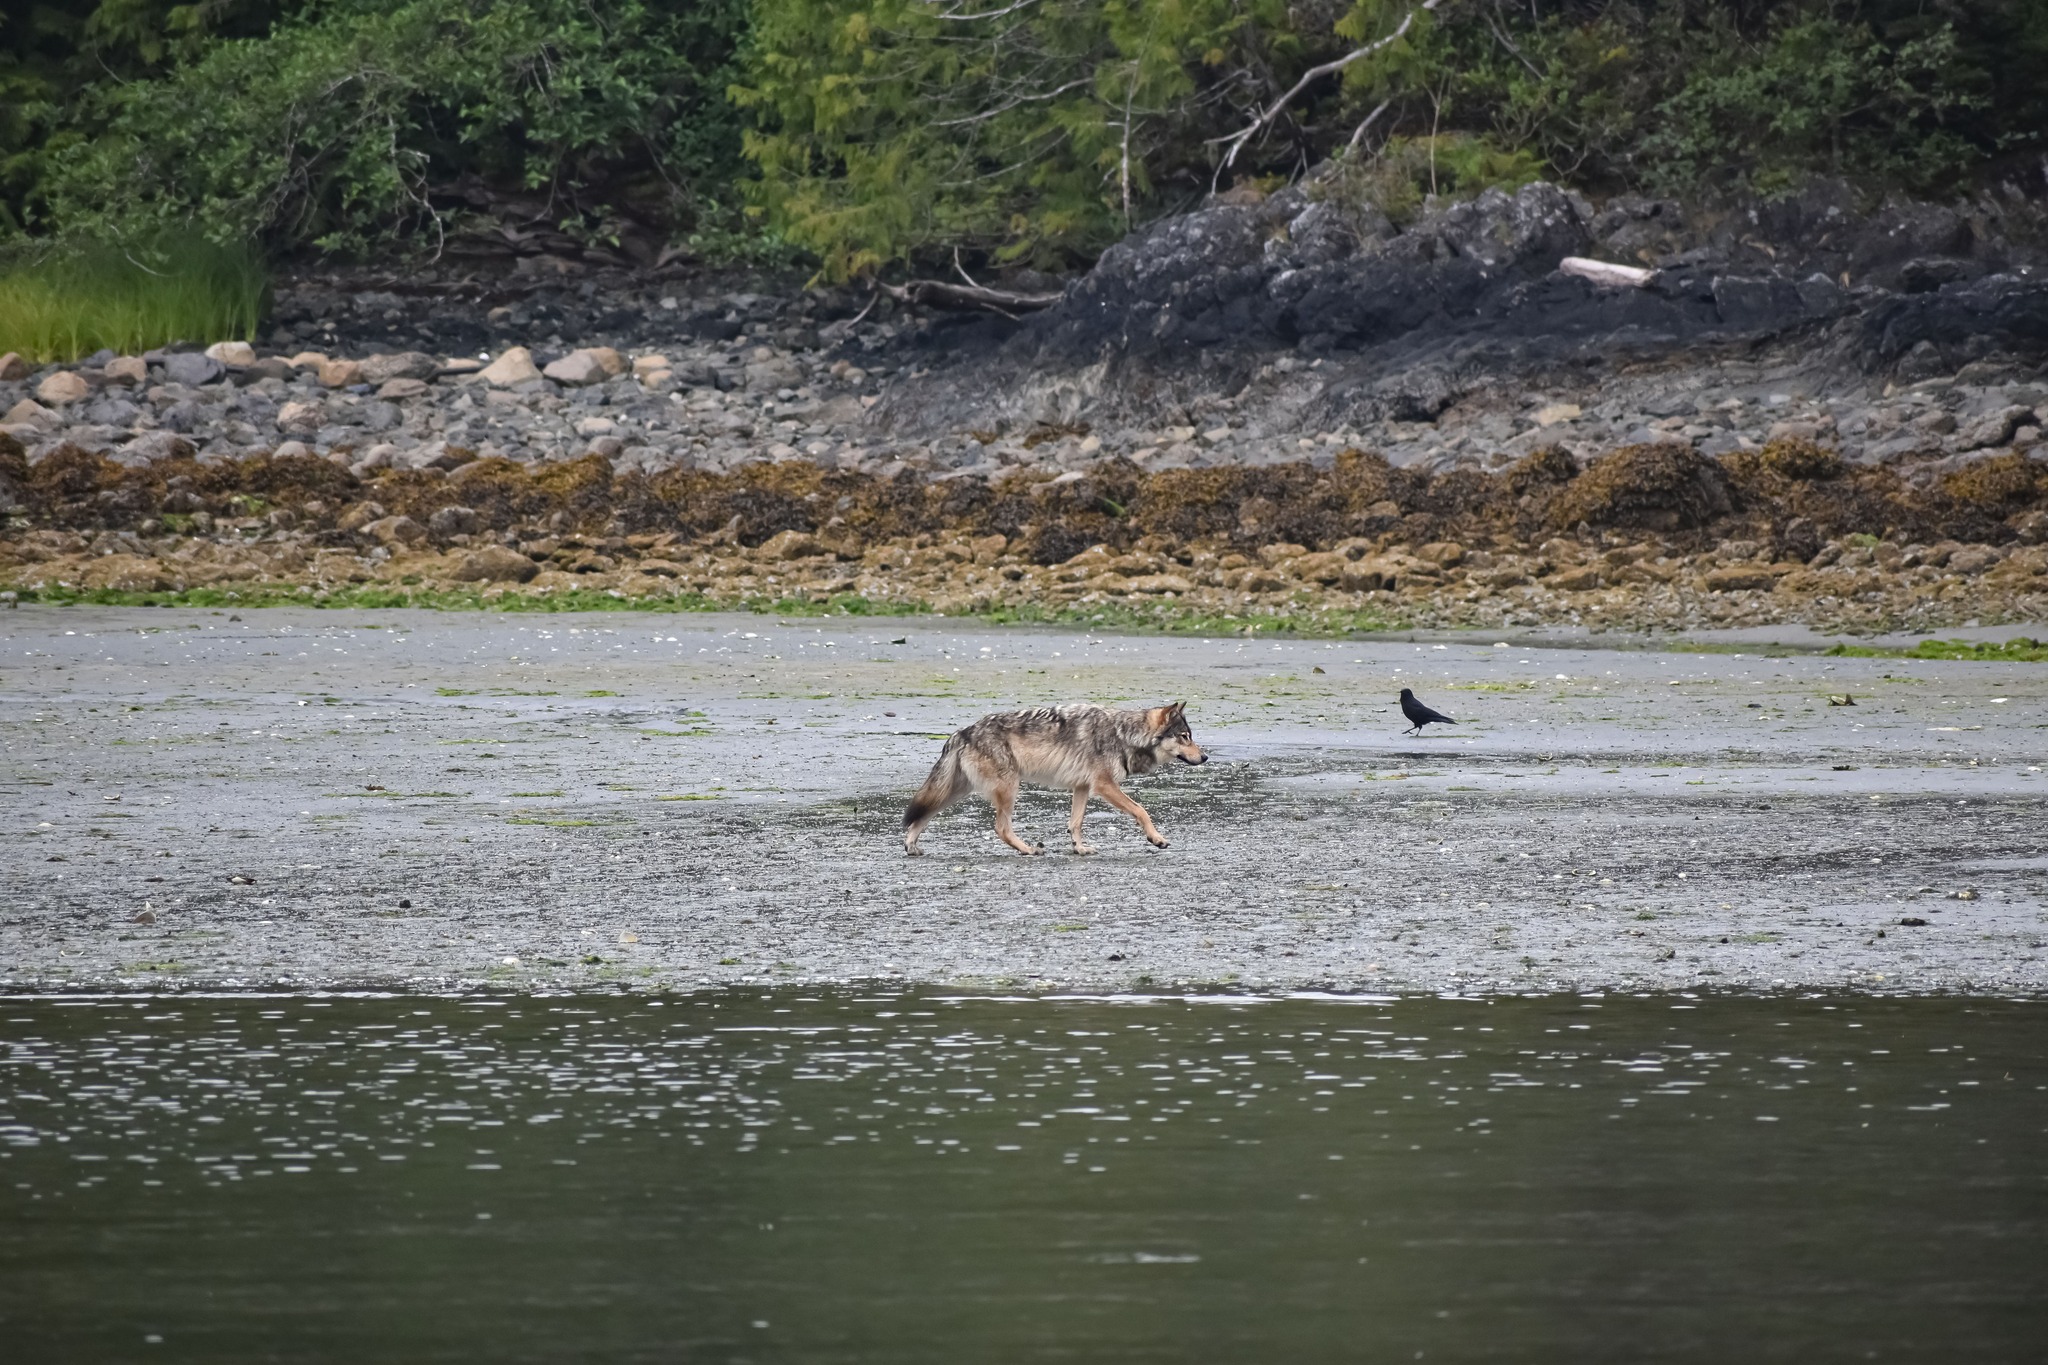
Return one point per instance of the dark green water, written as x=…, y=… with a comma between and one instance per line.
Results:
x=851, y=1178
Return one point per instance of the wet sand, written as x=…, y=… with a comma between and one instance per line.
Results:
x=418, y=800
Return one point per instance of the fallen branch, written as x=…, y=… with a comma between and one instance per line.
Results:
x=967, y=297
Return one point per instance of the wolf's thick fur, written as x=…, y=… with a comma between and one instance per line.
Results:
x=1083, y=749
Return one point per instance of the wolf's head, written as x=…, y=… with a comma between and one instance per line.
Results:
x=1169, y=736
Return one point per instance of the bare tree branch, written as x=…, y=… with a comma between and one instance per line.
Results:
x=1358, y=133
x=1501, y=36
x=955, y=16
x=1258, y=125
x=1013, y=102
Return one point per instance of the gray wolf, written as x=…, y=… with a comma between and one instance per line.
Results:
x=1420, y=715
x=1083, y=749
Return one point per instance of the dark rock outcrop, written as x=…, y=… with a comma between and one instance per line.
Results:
x=1403, y=322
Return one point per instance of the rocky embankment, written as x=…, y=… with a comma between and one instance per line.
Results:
x=1803, y=411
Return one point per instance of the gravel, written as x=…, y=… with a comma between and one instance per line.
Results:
x=411, y=800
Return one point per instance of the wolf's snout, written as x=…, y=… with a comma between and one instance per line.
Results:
x=1197, y=759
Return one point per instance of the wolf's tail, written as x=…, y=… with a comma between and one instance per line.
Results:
x=946, y=784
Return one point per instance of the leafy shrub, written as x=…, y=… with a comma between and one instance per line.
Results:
x=52, y=54
x=1032, y=131
x=340, y=129
x=1819, y=94
x=1019, y=130
x=1686, y=98
x=1408, y=170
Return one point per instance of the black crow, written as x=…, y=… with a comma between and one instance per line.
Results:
x=1420, y=715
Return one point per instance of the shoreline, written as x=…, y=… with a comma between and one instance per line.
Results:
x=2005, y=642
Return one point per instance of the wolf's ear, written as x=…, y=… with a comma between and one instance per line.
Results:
x=1175, y=711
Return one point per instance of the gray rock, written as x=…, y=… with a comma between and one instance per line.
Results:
x=152, y=446
x=453, y=521
x=184, y=415
x=400, y=530
x=193, y=369
x=113, y=412
x=1994, y=429
x=770, y=373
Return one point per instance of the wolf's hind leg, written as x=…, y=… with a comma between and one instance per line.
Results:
x=1108, y=790
x=1005, y=799
x=1074, y=820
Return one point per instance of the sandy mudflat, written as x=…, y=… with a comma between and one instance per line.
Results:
x=422, y=800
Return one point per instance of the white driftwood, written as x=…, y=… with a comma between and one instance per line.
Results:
x=970, y=296
x=1606, y=272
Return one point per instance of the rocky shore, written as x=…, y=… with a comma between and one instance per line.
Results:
x=1801, y=412
x=1650, y=536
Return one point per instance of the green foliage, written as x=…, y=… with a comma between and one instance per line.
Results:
x=51, y=55
x=1031, y=131
x=1817, y=94
x=1028, y=131
x=1399, y=178
x=59, y=303
x=1684, y=98
x=341, y=128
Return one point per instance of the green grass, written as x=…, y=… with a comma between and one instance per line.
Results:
x=2019, y=649
x=1162, y=617
x=61, y=302
x=1169, y=618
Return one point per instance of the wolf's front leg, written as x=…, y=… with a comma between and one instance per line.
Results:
x=1108, y=790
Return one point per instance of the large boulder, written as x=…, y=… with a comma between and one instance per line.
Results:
x=126, y=573
x=576, y=369
x=62, y=389
x=399, y=530
x=494, y=564
x=513, y=367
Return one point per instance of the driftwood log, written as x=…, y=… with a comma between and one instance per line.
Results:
x=1606, y=272
x=970, y=297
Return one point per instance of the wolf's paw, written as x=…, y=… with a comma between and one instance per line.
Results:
x=1084, y=848
x=1156, y=840
x=912, y=851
